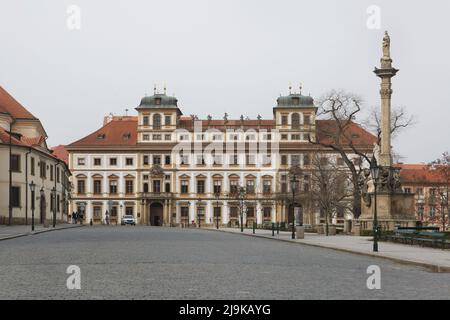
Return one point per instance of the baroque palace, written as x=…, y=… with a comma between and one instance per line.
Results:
x=169, y=169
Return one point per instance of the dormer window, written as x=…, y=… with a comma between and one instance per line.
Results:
x=158, y=101
x=101, y=136
x=126, y=136
x=295, y=100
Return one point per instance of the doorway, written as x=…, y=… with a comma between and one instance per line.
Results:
x=156, y=214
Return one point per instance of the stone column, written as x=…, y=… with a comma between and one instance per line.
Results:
x=385, y=73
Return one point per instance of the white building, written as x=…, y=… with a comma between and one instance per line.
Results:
x=168, y=169
x=23, y=136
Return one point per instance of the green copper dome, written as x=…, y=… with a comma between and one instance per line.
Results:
x=158, y=100
x=295, y=100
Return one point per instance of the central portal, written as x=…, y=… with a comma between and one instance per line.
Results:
x=156, y=214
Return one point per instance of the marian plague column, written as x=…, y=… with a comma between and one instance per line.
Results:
x=394, y=206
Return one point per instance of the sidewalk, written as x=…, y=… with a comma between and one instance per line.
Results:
x=10, y=232
x=436, y=260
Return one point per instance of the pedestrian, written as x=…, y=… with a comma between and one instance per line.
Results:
x=80, y=217
x=74, y=217
x=107, y=217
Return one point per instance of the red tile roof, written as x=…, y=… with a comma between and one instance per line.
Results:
x=4, y=138
x=61, y=153
x=357, y=134
x=10, y=105
x=121, y=131
x=112, y=133
x=419, y=174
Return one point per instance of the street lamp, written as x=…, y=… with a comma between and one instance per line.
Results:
x=42, y=198
x=294, y=186
x=217, y=209
x=54, y=206
x=242, y=193
x=199, y=215
x=375, y=172
x=32, y=188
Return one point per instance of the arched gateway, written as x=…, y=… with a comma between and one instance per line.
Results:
x=156, y=214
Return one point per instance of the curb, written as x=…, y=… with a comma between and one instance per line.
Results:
x=37, y=232
x=431, y=267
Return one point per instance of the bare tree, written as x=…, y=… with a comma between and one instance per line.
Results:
x=400, y=119
x=441, y=167
x=329, y=184
x=341, y=134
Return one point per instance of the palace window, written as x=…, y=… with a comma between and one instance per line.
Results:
x=295, y=160
x=267, y=186
x=97, y=161
x=156, y=137
x=129, y=186
x=167, y=137
x=145, y=187
x=146, y=137
x=284, y=137
x=306, y=160
x=284, y=160
x=295, y=137
x=250, y=212
x=233, y=212
x=184, y=186
x=97, y=186
x=217, y=186
x=51, y=172
x=129, y=161
x=167, y=160
x=145, y=120
x=167, y=187
x=156, y=186
x=307, y=119
x=97, y=212
x=113, y=186
x=184, y=212
x=200, y=186
x=251, y=186
x=146, y=160
x=157, y=159
x=284, y=120
x=234, y=160
x=156, y=121
x=81, y=161
x=81, y=186
x=295, y=120
x=167, y=120
x=234, y=186
x=129, y=211
x=113, y=161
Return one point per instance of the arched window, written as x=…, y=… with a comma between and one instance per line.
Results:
x=156, y=121
x=295, y=121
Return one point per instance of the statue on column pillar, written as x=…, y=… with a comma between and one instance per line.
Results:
x=386, y=46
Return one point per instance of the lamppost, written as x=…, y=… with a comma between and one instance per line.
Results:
x=42, y=198
x=217, y=209
x=294, y=184
x=375, y=171
x=54, y=206
x=32, y=188
x=242, y=194
x=199, y=215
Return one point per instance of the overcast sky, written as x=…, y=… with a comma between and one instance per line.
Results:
x=217, y=56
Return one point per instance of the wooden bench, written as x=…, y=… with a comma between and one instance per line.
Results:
x=420, y=236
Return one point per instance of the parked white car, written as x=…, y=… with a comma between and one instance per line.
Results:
x=128, y=219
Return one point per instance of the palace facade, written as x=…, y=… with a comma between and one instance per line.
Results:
x=169, y=169
x=23, y=141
